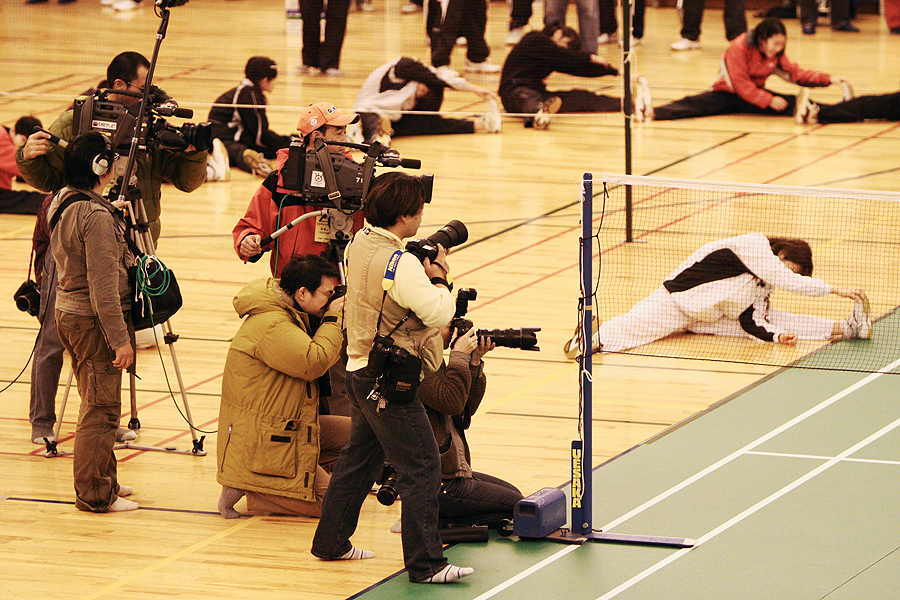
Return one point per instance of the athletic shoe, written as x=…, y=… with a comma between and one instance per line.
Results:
x=801, y=112
x=550, y=107
x=385, y=131
x=813, y=115
x=635, y=42
x=126, y=5
x=410, y=8
x=809, y=29
x=366, y=7
x=491, y=119
x=570, y=348
x=643, y=107
x=847, y=91
x=845, y=26
x=859, y=321
x=39, y=433
x=308, y=70
x=334, y=72
x=481, y=67
x=462, y=41
x=217, y=161
x=607, y=38
x=685, y=44
x=514, y=36
x=107, y=2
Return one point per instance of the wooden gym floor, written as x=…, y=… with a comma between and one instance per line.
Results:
x=516, y=191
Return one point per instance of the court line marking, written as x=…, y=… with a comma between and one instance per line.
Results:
x=673, y=490
x=753, y=509
x=170, y=559
x=816, y=457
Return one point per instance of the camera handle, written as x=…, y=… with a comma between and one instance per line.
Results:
x=266, y=242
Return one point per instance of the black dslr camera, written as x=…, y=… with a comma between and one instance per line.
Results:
x=117, y=121
x=28, y=298
x=524, y=338
x=452, y=234
x=340, y=182
x=387, y=481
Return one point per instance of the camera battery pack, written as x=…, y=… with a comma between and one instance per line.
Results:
x=540, y=514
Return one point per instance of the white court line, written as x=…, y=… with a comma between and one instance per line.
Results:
x=671, y=491
x=753, y=509
x=816, y=457
x=512, y=581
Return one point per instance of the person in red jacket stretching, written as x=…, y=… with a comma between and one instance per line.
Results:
x=740, y=87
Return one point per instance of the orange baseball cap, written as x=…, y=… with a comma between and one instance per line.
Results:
x=323, y=113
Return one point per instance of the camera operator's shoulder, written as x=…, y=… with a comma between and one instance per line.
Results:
x=64, y=125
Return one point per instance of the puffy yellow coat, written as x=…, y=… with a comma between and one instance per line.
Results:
x=268, y=439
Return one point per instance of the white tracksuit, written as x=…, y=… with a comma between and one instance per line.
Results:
x=722, y=289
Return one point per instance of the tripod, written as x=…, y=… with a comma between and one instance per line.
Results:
x=144, y=241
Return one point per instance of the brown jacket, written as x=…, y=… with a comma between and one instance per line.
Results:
x=454, y=389
x=88, y=245
x=268, y=438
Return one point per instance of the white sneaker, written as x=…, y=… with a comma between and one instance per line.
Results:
x=859, y=321
x=217, y=161
x=482, y=67
x=550, y=107
x=410, y=8
x=462, y=41
x=801, y=112
x=847, y=93
x=333, y=72
x=126, y=5
x=385, y=131
x=635, y=42
x=491, y=119
x=607, y=38
x=515, y=36
x=685, y=44
x=107, y=2
x=643, y=102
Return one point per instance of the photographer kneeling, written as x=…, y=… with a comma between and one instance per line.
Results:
x=404, y=302
x=273, y=444
x=451, y=396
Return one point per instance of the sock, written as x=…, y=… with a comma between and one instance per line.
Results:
x=847, y=329
x=124, y=490
x=449, y=574
x=227, y=500
x=356, y=554
x=121, y=505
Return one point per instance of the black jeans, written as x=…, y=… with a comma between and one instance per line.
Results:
x=481, y=500
x=882, y=106
x=402, y=434
x=524, y=99
x=708, y=104
x=464, y=18
x=317, y=53
x=734, y=17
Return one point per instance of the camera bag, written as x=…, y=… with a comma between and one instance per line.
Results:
x=154, y=290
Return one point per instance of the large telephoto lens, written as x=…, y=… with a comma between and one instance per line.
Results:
x=524, y=338
x=451, y=234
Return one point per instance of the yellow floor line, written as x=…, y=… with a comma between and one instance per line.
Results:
x=166, y=561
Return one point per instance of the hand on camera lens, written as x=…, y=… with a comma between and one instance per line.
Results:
x=438, y=267
x=467, y=342
x=485, y=345
x=336, y=305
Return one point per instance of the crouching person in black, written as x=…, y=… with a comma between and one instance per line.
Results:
x=391, y=293
x=451, y=396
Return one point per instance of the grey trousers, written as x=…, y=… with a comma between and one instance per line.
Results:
x=48, y=354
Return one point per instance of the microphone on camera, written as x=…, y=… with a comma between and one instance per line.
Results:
x=411, y=163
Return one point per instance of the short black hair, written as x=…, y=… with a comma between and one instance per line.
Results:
x=125, y=67
x=393, y=195
x=567, y=31
x=766, y=29
x=79, y=155
x=259, y=68
x=306, y=271
x=25, y=125
x=795, y=250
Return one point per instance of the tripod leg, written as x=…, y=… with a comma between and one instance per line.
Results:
x=134, y=423
x=198, y=443
x=51, y=445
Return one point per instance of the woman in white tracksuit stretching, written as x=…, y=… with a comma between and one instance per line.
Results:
x=723, y=289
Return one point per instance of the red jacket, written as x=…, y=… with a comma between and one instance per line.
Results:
x=8, y=167
x=262, y=218
x=744, y=72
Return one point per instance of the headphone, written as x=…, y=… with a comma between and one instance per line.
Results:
x=102, y=163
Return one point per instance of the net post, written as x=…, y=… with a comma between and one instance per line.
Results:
x=581, y=449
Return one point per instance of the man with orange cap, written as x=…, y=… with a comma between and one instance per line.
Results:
x=274, y=206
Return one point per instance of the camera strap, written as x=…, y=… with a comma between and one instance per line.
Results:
x=387, y=282
x=331, y=186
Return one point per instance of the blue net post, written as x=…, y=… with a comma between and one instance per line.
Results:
x=581, y=449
